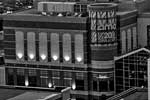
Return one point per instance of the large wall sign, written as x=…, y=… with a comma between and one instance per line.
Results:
x=103, y=23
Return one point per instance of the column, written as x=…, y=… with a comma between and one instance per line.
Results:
x=129, y=39
x=123, y=41
x=134, y=37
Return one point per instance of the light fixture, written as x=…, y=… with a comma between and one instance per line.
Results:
x=73, y=86
x=79, y=59
x=102, y=77
x=20, y=55
x=31, y=56
x=55, y=57
x=67, y=58
x=50, y=85
x=26, y=83
x=44, y=13
x=60, y=15
x=43, y=56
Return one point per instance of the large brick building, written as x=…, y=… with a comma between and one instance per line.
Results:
x=72, y=45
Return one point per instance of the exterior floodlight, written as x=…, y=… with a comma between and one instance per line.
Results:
x=73, y=86
x=79, y=59
x=31, y=56
x=67, y=58
x=43, y=57
x=55, y=57
x=26, y=83
x=20, y=55
x=50, y=85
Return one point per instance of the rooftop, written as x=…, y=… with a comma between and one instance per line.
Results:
x=135, y=93
x=21, y=93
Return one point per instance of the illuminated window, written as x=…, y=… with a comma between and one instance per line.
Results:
x=31, y=46
x=79, y=48
x=19, y=44
x=43, y=46
x=67, y=47
x=55, y=46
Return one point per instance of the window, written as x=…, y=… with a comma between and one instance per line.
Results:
x=20, y=77
x=80, y=75
x=79, y=84
x=83, y=8
x=111, y=85
x=44, y=78
x=94, y=85
x=67, y=75
x=56, y=77
x=55, y=73
x=32, y=77
x=103, y=86
x=67, y=82
x=77, y=8
x=10, y=76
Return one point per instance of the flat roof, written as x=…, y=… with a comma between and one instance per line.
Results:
x=35, y=12
x=135, y=93
x=35, y=16
x=34, y=95
x=7, y=93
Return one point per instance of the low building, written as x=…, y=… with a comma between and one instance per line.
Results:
x=131, y=70
x=134, y=93
x=23, y=93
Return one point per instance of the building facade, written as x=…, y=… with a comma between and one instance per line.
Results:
x=46, y=54
x=53, y=50
x=73, y=44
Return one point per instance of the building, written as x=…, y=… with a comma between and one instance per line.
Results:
x=134, y=93
x=131, y=70
x=73, y=44
x=46, y=50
